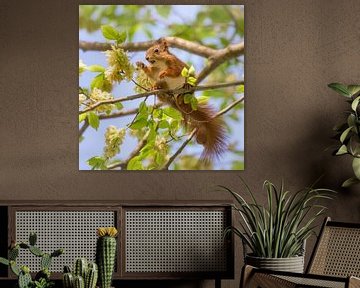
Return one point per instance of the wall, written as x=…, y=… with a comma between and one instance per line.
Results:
x=293, y=50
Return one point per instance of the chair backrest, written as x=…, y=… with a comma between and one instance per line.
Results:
x=337, y=251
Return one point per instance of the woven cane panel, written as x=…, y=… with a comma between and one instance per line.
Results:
x=175, y=241
x=338, y=253
x=306, y=282
x=74, y=231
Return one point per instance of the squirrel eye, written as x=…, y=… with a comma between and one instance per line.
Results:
x=156, y=50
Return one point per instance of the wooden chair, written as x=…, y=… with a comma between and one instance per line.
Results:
x=335, y=262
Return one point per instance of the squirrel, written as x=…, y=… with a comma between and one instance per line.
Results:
x=164, y=71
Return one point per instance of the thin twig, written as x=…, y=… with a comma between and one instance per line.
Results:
x=173, y=157
x=137, y=84
x=175, y=91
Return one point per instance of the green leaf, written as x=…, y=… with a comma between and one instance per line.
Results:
x=354, y=145
x=187, y=98
x=93, y=120
x=174, y=125
x=342, y=150
x=121, y=37
x=96, y=68
x=340, y=88
x=163, y=124
x=240, y=89
x=97, y=162
x=184, y=72
x=139, y=123
x=98, y=81
x=191, y=71
x=119, y=105
x=191, y=81
x=135, y=164
x=355, y=103
x=353, y=89
x=356, y=167
x=349, y=182
x=173, y=113
x=163, y=10
x=203, y=99
x=110, y=32
x=351, y=120
x=344, y=134
x=82, y=117
x=194, y=103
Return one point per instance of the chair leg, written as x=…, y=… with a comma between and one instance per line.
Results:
x=217, y=283
x=354, y=282
x=246, y=274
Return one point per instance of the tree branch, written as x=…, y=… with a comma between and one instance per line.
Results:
x=83, y=128
x=220, y=57
x=193, y=132
x=177, y=42
x=175, y=91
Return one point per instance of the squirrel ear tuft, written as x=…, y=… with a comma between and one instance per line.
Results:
x=162, y=42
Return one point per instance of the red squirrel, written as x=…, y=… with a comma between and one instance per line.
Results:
x=164, y=71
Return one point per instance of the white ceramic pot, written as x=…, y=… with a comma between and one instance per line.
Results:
x=291, y=264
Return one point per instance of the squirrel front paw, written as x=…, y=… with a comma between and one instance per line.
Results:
x=140, y=64
x=162, y=74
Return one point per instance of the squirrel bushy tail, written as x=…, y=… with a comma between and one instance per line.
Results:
x=211, y=132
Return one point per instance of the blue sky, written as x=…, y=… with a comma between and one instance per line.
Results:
x=93, y=142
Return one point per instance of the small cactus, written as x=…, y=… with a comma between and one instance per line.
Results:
x=14, y=268
x=57, y=252
x=89, y=272
x=44, y=273
x=91, y=276
x=106, y=254
x=36, y=251
x=45, y=261
x=13, y=253
x=80, y=268
x=24, y=278
x=32, y=239
x=68, y=280
x=79, y=282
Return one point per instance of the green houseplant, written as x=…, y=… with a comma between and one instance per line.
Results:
x=276, y=233
x=348, y=133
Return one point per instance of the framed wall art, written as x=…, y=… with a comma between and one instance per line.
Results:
x=161, y=87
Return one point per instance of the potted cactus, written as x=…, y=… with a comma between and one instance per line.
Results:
x=106, y=254
x=84, y=275
x=42, y=278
